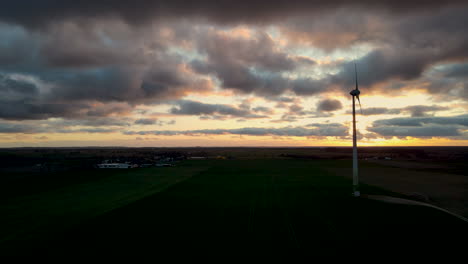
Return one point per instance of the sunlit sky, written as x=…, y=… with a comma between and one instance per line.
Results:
x=222, y=73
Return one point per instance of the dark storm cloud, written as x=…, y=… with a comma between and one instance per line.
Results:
x=103, y=110
x=456, y=71
x=461, y=120
x=421, y=126
x=85, y=52
x=413, y=110
x=344, y=27
x=282, y=99
x=248, y=65
x=263, y=109
x=379, y=111
x=19, y=128
x=90, y=122
x=22, y=110
x=153, y=121
x=308, y=86
x=427, y=131
x=259, y=50
x=330, y=129
x=13, y=87
x=88, y=130
x=187, y=107
x=21, y=99
x=91, y=44
x=108, y=84
x=70, y=92
x=447, y=88
x=285, y=118
x=254, y=131
x=69, y=67
x=405, y=46
x=159, y=81
x=296, y=109
x=392, y=74
x=294, y=113
x=421, y=110
x=146, y=121
x=322, y=125
x=329, y=105
x=382, y=65
x=240, y=77
x=63, y=126
x=33, y=13
x=18, y=48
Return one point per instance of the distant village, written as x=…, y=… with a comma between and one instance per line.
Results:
x=49, y=160
x=145, y=162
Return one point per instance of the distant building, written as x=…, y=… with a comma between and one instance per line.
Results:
x=114, y=166
x=196, y=158
x=164, y=165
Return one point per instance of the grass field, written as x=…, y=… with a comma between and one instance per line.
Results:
x=274, y=205
x=39, y=209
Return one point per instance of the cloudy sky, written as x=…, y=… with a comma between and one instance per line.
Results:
x=232, y=73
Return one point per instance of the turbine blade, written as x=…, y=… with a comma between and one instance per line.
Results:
x=355, y=71
x=360, y=107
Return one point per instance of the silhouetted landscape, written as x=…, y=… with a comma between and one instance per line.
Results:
x=56, y=201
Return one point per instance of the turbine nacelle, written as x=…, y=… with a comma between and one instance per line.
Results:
x=355, y=92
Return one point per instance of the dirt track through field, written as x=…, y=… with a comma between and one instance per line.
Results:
x=446, y=190
x=395, y=200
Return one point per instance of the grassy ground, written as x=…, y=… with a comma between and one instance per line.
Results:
x=237, y=205
x=38, y=210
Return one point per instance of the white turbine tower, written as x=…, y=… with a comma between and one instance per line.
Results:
x=355, y=94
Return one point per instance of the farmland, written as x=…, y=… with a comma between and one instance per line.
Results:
x=242, y=204
x=50, y=207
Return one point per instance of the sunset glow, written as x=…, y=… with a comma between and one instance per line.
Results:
x=94, y=75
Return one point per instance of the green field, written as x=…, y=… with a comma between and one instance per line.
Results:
x=275, y=205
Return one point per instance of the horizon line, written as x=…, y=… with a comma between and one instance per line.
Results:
x=406, y=146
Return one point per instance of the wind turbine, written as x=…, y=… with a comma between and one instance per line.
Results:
x=355, y=94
